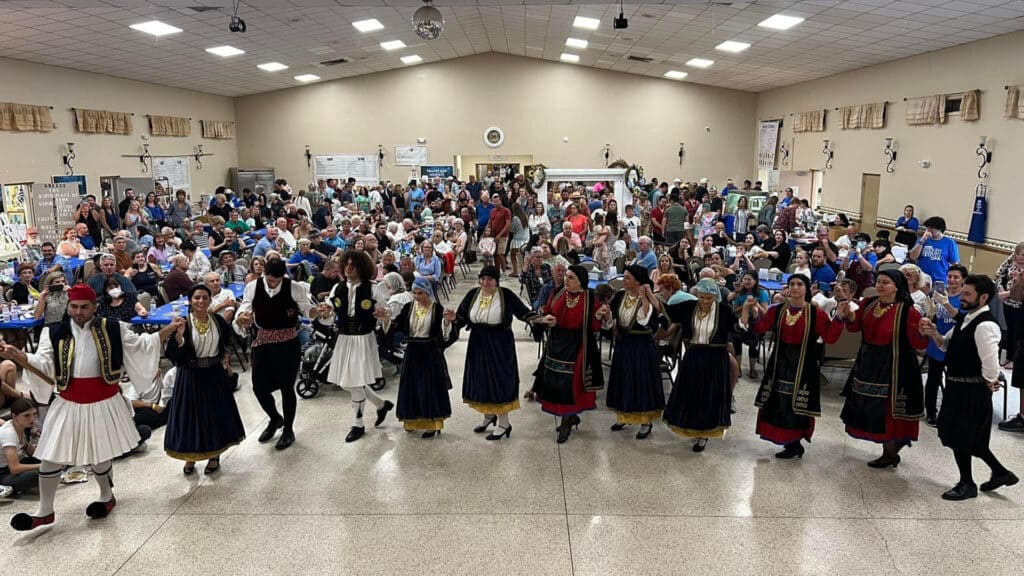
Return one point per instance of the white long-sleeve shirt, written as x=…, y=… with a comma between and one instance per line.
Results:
x=141, y=358
x=986, y=338
x=300, y=293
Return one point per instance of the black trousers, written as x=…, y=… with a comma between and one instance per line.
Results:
x=932, y=385
x=149, y=417
x=275, y=367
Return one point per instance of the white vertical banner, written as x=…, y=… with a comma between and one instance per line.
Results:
x=768, y=143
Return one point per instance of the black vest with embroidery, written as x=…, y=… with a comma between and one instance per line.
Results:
x=106, y=335
x=963, y=362
x=363, y=321
x=275, y=312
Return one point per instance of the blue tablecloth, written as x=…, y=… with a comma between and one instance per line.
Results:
x=26, y=323
x=595, y=283
x=773, y=286
x=163, y=315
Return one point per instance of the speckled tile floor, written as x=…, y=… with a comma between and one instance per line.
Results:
x=603, y=503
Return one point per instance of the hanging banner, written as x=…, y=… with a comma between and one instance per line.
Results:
x=173, y=174
x=979, y=215
x=410, y=155
x=78, y=178
x=441, y=172
x=768, y=143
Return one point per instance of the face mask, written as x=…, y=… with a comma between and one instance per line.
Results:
x=114, y=292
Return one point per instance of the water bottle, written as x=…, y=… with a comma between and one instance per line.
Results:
x=6, y=314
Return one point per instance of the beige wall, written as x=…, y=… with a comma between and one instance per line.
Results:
x=536, y=103
x=36, y=156
x=947, y=187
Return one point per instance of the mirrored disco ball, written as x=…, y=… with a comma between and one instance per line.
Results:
x=428, y=22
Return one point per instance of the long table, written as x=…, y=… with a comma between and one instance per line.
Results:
x=165, y=314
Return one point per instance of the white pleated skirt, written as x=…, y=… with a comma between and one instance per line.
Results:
x=86, y=434
x=355, y=362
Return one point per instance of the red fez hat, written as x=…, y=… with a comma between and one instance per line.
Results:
x=81, y=292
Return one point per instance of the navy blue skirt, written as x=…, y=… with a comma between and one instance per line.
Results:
x=635, y=391
x=699, y=405
x=423, y=402
x=203, y=420
x=490, y=381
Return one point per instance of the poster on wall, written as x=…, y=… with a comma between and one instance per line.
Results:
x=74, y=178
x=441, y=172
x=53, y=209
x=410, y=155
x=768, y=143
x=362, y=167
x=173, y=173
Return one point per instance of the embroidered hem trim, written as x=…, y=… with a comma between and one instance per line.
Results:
x=691, y=433
x=485, y=408
x=637, y=417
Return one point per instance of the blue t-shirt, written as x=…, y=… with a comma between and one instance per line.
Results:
x=483, y=214
x=944, y=322
x=823, y=275
x=416, y=197
x=937, y=255
x=762, y=298
x=911, y=224
x=313, y=258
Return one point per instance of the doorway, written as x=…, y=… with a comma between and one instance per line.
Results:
x=869, y=184
x=499, y=171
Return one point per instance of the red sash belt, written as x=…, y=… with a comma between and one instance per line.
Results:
x=89, y=390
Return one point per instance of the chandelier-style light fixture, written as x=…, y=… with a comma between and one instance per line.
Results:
x=427, y=21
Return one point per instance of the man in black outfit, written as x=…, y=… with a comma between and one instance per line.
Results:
x=124, y=205
x=972, y=375
x=273, y=304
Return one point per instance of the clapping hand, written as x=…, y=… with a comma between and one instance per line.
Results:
x=927, y=327
x=843, y=310
x=449, y=315
x=940, y=298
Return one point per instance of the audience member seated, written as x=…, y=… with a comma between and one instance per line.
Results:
x=69, y=247
x=122, y=257
x=821, y=273
x=304, y=256
x=159, y=252
x=177, y=282
x=671, y=290
x=18, y=469
x=271, y=241
x=256, y=266
x=230, y=272
x=222, y=301
x=117, y=304
x=144, y=275
x=53, y=299
x=51, y=262
x=23, y=290
x=98, y=281
x=198, y=263
x=321, y=286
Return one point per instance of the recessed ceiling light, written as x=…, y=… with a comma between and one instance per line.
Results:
x=307, y=77
x=225, y=51
x=781, y=22
x=272, y=66
x=156, y=28
x=675, y=74
x=732, y=46
x=699, y=62
x=576, y=43
x=570, y=58
x=587, y=23
x=368, y=25
x=392, y=45
x=411, y=59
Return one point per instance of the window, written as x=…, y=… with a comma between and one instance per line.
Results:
x=953, y=102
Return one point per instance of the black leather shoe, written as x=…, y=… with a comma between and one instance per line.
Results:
x=931, y=421
x=885, y=462
x=961, y=492
x=498, y=433
x=382, y=412
x=700, y=445
x=286, y=440
x=355, y=434
x=430, y=433
x=98, y=510
x=616, y=427
x=483, y=427
x=795, y=450
x=23, y=522
x=644, y=432
x=998, y=480
x=270, y=430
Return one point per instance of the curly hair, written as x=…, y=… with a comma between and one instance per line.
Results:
x=362, y=262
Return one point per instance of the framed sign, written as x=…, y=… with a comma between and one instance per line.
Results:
x=494, y=137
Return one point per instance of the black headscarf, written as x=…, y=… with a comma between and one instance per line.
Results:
x=902, y=292
x=640, y=274
x=807, y=285
x=491, y=272
x=582, y=275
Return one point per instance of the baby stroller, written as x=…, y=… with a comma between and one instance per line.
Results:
x=316, y=361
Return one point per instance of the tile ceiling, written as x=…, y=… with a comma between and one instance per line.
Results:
x=838, y=35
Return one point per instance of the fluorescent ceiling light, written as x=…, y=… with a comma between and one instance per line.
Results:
x=570, y=58
x=411, y=59
x=699, y=62
x=225, y=51
x=732, y=46
x=676, y=75
x=576, y=43
x=392, y=45
x=781, y=22
x=368, y=25
x=156, y=28
x=272, y=66
x=587, y=23
x=307, y=77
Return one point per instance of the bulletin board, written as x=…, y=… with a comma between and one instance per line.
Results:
x=363, y=167
x=52, y=209
x=77, y=178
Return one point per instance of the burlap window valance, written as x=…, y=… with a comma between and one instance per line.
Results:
x=863, y=116
x=102, y=121
x=969, y=106
x=217, y=129
x=813, y=121
x=25, y=117
x=926, y=110
x=1014, y=105
x=170, y=126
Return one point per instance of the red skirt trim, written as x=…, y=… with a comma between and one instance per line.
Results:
x=783, y=436
x=898, y=431
x=89, y=390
